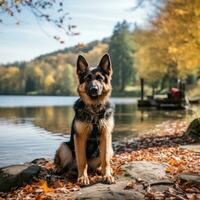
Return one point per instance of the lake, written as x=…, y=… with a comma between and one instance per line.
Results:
x=34, y=126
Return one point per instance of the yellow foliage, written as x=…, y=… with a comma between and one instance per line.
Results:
x=49, y=74
x=172, y=40
x=13, y=70
x=49, y=80
x=43, y=185
x=11, y=73
x=38, y=71
x=96, y=53
x=49, y=83
x=180, y=11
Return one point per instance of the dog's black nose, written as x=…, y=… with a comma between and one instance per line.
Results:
x=94, y=89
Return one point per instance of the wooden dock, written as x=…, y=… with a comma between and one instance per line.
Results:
x=174, y=101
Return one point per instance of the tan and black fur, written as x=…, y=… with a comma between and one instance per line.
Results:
x=91, y=140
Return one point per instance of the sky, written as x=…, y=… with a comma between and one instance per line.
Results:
x=95, y=19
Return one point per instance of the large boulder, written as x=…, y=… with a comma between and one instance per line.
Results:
x=193, y=129
x=189, y=177
x=16, y=175
x=148, y=173
x=115, y=191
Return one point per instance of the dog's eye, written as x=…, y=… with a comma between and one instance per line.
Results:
x=99, y=78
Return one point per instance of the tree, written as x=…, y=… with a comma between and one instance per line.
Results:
x=169, y=48
x=49, y=84
x=178, y=24
x=34, y=78
x=121, y=54
x=10, y=80
x=65, y=80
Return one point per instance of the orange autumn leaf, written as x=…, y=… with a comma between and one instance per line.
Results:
x=58, y=184
x=150, y=195
x=180, y=169
x=169, y=170
x=193, y=197
x=41, y=197
x=95, y=179
x=28, y=189
x=43, y=185
x=173, y=162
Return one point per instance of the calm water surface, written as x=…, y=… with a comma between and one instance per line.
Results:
x=33, y=127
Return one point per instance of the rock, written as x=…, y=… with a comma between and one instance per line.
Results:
x=17, y=175
x=137, y=175
x=41, y=161
x=189, y=177
x=192, y=147
x=112, y=192
x=150, y=172
x=193, y=129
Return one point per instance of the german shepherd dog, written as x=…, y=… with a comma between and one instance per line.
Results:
x=91, y=141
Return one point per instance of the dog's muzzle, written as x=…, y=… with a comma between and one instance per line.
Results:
x=94, y=91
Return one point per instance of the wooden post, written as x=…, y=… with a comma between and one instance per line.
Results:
x=183, y=91
x=153, y=92
x=142, y=89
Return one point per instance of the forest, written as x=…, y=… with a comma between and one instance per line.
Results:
x=163, y=52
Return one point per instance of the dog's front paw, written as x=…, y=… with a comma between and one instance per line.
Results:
x=83, y=180
x=108, y=179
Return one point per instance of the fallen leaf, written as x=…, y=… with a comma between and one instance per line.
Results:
x=150, y=195
x=58, y=184
x=62, y=190
x=130, y=185
x=41, y=197
x=43, y=185
x=173, y=162
x=49, y=165
x=28, y=189
x=193, y=197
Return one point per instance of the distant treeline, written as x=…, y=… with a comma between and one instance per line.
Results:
x=54, y=73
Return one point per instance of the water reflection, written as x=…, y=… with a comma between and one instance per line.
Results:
x=27, y=133
x=129, y=121
x=53, y=119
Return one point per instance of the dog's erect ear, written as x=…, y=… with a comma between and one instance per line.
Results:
x=106, y=64
x=82, y=66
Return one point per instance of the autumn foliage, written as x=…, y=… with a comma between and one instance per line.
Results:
x=169, y=47
x=52, y=74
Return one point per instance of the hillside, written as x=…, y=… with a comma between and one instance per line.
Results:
x=49, y=74
x=79, y=48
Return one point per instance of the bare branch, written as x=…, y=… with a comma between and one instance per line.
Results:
x=138, y=5
x=42, y=10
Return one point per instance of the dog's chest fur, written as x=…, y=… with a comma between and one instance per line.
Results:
x=90, y=114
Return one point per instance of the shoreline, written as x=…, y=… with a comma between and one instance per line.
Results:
x=153, y=167
x=161, y=167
